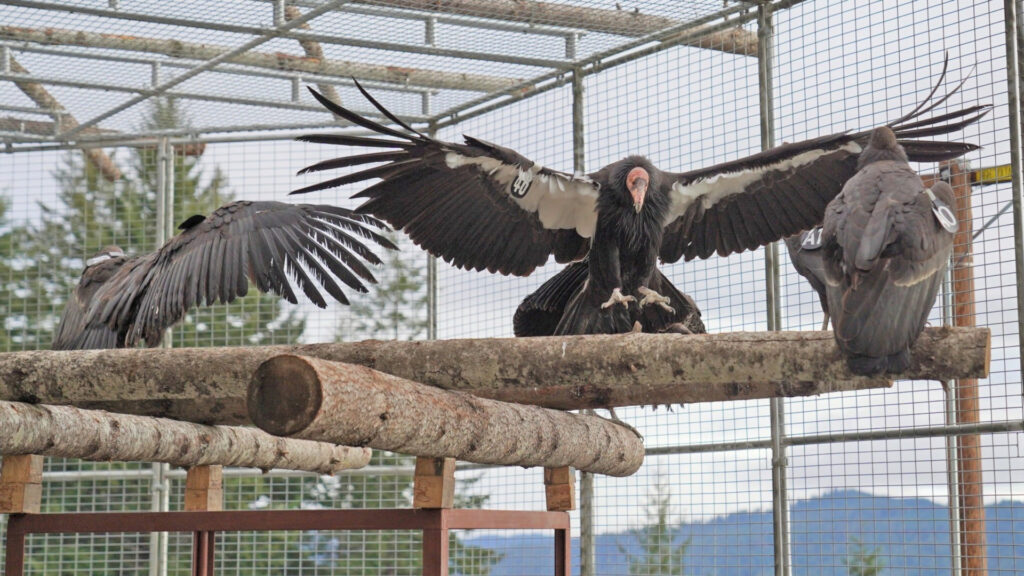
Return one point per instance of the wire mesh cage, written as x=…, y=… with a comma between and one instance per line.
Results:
x=123, y=118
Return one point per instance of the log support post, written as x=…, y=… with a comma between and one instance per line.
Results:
x=204, y=489
x=21, y=484
x=204, y=492
x=434, y=483
x=560, y=489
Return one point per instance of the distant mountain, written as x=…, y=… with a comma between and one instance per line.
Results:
x=911, y=536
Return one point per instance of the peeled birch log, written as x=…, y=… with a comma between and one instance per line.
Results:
x=303, y=397
x=440, y=79
x=70, y=432
x=567, y=372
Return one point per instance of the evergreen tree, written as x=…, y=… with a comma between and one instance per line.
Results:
x=92, y=212
x=863, y=561
x=660, y=554
x=396, y=307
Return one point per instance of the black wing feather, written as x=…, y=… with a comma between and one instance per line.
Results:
x=213, y=261
x=793, y=198
x=455, y=200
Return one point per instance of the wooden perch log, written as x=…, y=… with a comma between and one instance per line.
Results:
x=70, y=432
x=274, y=61
x=304, y=397
x=209, y=384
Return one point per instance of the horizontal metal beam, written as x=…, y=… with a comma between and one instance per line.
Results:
x=400, y=75
x=296, y=35
x=839, y=437
x=178, y=136
x=231, y=69
x=31, y=110
x=229, y=99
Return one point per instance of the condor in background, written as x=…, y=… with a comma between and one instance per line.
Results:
x=120, y=301
x=886, y=242
x=481, y=206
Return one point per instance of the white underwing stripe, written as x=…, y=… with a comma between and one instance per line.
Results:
x=720, y=186
x=560, y=202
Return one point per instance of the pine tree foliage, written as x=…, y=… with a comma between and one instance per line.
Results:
x=396, y=307
x=46, y=258
x=862, y=560
x=660, y=553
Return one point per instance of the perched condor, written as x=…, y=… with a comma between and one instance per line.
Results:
x=805, y=254
x=886, y=242
x=120, y=301
x=481, y=206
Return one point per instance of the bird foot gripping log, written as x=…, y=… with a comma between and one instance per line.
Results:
x=310, y=398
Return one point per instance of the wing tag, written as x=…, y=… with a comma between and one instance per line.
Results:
x=811, y=240
x=521, y=185
x=943, y=213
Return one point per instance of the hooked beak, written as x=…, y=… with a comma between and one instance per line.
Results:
x=638, y=189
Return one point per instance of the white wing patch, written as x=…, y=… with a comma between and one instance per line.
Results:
x=560, y=202
x=710, y=191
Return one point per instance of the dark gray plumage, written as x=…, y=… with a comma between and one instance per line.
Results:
x=885, y=253
x=120, y=301
x=805, y=254
x=540, y=313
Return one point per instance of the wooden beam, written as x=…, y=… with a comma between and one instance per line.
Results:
x=433, y=485
x=204, y=488
x=631, y=22
x=974, y=557
x=560, y=489
x=313, y=50
x=71, y=432
x=572, y=372
x=315, y=399
x=21, y=484
x=42, y=97
x=271, y=60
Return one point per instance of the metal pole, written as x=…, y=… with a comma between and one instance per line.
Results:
x=158, y=485
x=1014, y=22
x=165, y=230
x=777, y=406
x=952, y=463
x=432, y=275
x=588, y=564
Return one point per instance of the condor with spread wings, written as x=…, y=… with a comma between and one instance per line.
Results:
x=120, y=301
x=481, y=206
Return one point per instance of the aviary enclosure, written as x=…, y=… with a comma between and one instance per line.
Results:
x=120, y=118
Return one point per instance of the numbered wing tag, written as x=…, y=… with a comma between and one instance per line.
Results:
x=943, y=213
x=811, y=240
x=521, y=185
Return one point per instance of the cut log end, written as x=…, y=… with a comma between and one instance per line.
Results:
x=285, y=395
